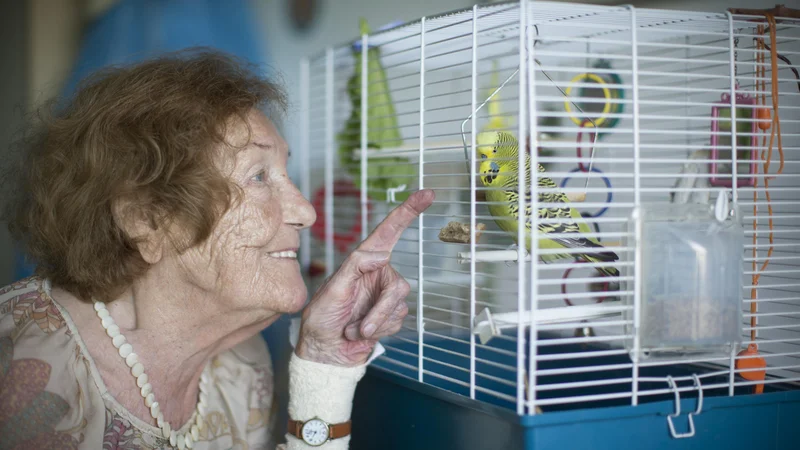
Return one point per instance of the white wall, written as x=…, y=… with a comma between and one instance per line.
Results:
x=54, y=31
x=54, y=37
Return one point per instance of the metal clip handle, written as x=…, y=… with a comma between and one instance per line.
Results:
x=678, y=435
x=677, y=413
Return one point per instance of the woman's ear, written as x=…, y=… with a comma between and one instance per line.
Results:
x=138, y=225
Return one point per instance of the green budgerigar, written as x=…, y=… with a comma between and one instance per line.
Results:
x=498, y=152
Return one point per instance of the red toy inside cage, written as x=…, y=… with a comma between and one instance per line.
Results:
x=722, y=139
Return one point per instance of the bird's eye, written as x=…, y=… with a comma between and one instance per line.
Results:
x=494, y=150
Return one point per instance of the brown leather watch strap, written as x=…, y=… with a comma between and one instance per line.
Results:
x=340, y=429
x=295, y=428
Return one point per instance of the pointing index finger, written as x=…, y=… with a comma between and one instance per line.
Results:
x=386, y=235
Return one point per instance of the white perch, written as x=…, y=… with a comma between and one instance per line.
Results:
x=491, y=256
x=510, y=255
x=488, y=325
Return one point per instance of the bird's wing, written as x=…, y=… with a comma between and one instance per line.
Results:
x=549, y=193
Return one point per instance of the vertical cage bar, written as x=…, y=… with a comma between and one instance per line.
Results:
x=637, y=200
x=364, y=125
x=472, y=191
x=734, y=168
x=688, y=122
x=533, y=338
x=329, y=98
x=421, y=273
x=754, y=155
x=304, y=150
x=734, y=144
x=522, y=217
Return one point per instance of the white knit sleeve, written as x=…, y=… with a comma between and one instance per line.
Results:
x=322, y=391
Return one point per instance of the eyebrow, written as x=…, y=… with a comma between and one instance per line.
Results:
x=266, y=146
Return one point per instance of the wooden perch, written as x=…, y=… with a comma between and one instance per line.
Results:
x=778, y=11
x=458, y=233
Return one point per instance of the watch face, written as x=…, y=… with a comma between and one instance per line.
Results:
x=315, y=432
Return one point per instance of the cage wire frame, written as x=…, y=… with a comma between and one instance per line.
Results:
x=526, y=387
x=500, y=88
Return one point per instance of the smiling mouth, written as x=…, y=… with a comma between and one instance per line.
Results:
x=288, y=254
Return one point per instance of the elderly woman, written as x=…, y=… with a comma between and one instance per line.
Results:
x=164, y=225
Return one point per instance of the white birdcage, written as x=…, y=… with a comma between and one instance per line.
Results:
x=644, y=96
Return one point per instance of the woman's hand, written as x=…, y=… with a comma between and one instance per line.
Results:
x=364, y=300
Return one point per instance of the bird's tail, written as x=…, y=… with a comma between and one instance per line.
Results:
x=603, y=257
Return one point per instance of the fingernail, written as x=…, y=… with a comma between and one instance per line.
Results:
x=369, y=329
x=351, y=332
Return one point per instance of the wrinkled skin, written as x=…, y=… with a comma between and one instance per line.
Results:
x=236, y=264
x=365, y=299
x=190, y=306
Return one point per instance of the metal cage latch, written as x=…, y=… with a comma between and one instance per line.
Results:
x=677, y=413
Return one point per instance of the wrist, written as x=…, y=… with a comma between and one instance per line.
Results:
x=342, y=354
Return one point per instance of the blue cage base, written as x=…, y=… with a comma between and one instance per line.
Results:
x=394, y=411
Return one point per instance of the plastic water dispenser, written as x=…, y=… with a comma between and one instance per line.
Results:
x=690, y=285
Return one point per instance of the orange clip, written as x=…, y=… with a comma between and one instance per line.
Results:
x=749, y=359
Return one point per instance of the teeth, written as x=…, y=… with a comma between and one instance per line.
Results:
x=284, y=254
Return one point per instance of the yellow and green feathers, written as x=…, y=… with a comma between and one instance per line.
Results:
x=499, y=160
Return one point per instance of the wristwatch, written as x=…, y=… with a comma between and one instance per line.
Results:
x=316, y=431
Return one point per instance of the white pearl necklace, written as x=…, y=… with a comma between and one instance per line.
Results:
x=180, y=441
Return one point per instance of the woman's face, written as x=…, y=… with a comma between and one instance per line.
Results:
x=250, y=260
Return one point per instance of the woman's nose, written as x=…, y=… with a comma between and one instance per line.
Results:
x=298, y=212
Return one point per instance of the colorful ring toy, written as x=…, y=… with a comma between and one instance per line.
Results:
x=606, y=93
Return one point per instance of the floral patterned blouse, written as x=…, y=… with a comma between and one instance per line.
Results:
x=52, y=396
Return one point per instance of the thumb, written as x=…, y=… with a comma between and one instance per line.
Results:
x=351, y=332
x=362, y=262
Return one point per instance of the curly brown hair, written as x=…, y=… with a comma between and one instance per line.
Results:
x=147, y=133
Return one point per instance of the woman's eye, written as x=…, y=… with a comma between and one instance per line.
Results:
x=259, y=177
